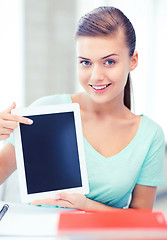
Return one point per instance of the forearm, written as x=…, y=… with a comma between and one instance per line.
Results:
x=76, y=201
x=7, y=162
x=5, y=173
x=92, y=205
x=81, y=202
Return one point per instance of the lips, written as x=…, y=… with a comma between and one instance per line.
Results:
x=100, y=87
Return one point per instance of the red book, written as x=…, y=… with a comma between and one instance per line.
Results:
x=124, y=224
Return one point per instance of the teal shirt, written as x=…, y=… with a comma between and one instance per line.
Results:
x=112, y=179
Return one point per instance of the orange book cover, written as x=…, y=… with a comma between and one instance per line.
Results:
x=143, y=224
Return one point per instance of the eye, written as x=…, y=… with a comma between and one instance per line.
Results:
x=109, y=62
x=85, y=63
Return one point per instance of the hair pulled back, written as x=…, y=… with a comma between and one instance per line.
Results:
x=104, y=21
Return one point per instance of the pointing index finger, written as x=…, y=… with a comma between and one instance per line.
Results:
x=20, y=119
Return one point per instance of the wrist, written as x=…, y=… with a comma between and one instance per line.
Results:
x=87, y=205
x=91, y=205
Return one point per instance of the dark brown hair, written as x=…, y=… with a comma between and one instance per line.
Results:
x=104, y=21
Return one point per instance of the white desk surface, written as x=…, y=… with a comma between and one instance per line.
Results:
x=23, y=221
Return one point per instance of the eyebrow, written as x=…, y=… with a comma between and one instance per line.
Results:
x=84, y=58
x=112, y=54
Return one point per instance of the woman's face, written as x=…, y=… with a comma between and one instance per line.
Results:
x=103, y=66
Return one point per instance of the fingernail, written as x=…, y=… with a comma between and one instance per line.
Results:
x=29, y=121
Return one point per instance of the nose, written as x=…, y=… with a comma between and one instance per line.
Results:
x=97, y=74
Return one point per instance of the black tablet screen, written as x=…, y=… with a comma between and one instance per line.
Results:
x=50, y=152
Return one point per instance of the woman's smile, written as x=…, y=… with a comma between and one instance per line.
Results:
x=100, y=88
x=103, y=67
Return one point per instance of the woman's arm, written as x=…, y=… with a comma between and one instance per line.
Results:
x=72, y=200
x=7, y=162
x=8, y=123
x=142, y=198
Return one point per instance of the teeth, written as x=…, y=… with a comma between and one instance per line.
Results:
x=100, y=87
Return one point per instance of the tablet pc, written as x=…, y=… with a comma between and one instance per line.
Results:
x=50, y=153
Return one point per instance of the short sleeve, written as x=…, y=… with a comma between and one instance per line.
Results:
x=152, y=170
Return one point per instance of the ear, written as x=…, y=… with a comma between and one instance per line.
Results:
x=134, y=61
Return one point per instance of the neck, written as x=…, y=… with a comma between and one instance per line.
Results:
x=114, y=107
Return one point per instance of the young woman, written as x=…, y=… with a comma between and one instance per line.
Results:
x=124, y=151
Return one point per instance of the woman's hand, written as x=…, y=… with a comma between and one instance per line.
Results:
x=9, y=122
x=69, y=200
x=74, y=200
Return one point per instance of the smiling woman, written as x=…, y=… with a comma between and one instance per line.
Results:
x=86, y=62
x=103, y=62
x=102, y=24
x=124, y=151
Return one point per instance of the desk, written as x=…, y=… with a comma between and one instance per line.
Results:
x=27, y=222
x=30, y=222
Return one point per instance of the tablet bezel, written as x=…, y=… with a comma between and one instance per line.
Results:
x=38, y=110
